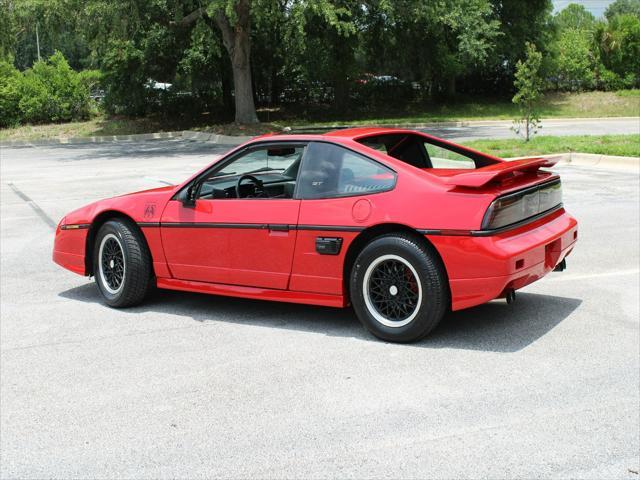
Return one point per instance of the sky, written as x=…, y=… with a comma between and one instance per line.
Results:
x=597, y=7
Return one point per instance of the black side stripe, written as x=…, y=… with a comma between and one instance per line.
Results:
x=255, y=226
x=332, y=228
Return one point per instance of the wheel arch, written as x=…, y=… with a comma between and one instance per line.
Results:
x=97, y=222
x=371, y=233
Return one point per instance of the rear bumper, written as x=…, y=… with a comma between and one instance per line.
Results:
x=483, y=268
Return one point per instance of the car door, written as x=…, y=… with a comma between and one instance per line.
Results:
x=341, y=191
x=239, y=241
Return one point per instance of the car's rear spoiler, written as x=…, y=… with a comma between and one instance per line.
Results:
x=482, y=176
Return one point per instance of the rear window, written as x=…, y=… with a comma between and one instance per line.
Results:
x=421, y=152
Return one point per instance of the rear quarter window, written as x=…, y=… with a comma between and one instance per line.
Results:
x=330, y=170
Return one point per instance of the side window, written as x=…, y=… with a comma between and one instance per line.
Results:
x=332, y=171
x=263, y=160
x=445, y=158
x=272, y=174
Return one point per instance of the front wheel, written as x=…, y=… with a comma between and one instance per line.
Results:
x=121, y=264
x=398, y=288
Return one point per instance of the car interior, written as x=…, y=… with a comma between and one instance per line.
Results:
x=264, y=173
x=329, y=170
x=415, y=150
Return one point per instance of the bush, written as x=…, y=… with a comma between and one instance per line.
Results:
x=383, y=92
x=9, y=94
x=50, y=91
x=92, y=79
x=124, y=79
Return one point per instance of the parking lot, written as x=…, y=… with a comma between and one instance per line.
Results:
x=191, y=386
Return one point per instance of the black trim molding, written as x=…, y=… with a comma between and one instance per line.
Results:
x=255, y=226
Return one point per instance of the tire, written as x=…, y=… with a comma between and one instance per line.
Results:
x=399, y=288
x=125, y=277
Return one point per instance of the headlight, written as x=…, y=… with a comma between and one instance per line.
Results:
x=519, y=206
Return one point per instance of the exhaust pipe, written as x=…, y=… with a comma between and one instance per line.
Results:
x=510, y=296
x=561, y=266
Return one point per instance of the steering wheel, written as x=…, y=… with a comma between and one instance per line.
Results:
x=252, y=179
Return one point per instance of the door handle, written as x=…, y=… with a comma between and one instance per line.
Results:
x=278, y=228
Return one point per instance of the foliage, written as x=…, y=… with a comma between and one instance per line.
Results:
x=124, y=79
x=623, y=7
x=316, y=54
x=9, y=94
x=588, y=53
x=50, y=91
x=576, y=62
x=574, y=17
x=528, y=85
x=619, y=48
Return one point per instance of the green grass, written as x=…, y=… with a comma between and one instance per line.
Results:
x=634, y=92
x=623, y=145
x=124, y=126
x=96, y=126
x=554, y=105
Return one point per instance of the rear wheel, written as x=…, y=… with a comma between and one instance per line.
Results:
x=398, y=288
x=121, y=264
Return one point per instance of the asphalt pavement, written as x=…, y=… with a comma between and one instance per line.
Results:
x=556, y=127
x=194, y=386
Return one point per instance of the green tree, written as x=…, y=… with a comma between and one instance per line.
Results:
x=528, y=84
x=619, y=44
x=576, y=60
x=623, y=7
x=574, y=16
x=521, y=21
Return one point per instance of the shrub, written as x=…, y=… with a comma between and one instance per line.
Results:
x=50, y=91
x=124, y=79
x=9, y=94
x=382, y=92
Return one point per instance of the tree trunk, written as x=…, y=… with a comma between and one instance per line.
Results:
x=226, y=80
x=237, y=41
x=451, y=87
x=343, y=60
x=341, y=92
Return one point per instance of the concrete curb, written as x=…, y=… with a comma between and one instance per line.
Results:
x=608, y=162
x=215, y=137
x=96, y=139
x=182, y=134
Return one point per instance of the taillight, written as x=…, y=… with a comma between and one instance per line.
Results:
x=519, y=206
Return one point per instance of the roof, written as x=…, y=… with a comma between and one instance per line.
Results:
x=359, y=132
x=342, y=134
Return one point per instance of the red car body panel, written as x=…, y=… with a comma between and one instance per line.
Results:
x=266, y=248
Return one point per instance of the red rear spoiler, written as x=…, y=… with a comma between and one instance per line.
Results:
x=482, y=176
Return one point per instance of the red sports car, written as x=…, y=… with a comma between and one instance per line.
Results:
x=399, y=224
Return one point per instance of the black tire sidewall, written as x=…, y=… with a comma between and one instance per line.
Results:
x=430, y=276
x=117, y=228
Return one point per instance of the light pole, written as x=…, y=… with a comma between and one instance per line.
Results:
x=38, y=41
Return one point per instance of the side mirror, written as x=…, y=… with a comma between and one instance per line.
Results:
x=189, y=199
